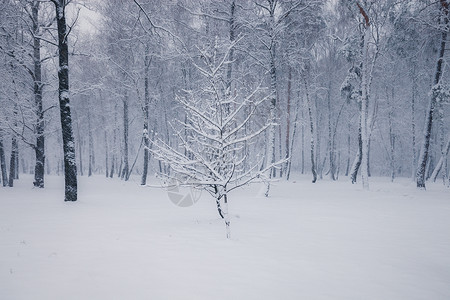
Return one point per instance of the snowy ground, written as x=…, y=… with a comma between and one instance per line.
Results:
x=328, y=240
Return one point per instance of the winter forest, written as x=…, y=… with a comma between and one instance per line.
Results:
x=309, y=131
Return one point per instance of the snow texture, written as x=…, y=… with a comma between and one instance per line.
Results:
x=329, y=240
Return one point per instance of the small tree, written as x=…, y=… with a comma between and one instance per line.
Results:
x=212, y=156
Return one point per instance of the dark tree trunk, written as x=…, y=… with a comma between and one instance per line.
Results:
x=311, y=124
x=231, y=53
x=16, y=173
x=347, y=167
x=146, y=117
x=106, y=154
x=40, y=140
x=330, y=137
x=114, y=147
x=303, y=139
x=391, y=133
x=47, y=166
x=111, y=173
x=91, y=147
x=413, y=121
x=3, y=164
x=318, y=164
x=420, y=175
x=70, y=167
x=125, y=169
x=80, y=148
x=12, y=161
x=119, y=171
x=288, y=122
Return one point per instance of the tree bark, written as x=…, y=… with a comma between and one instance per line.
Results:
x=311, y=124
x=16, y=173
x=365, y=109
x=231, y=53
x=288, y=123
x=80, y=148
x=91, y=166
x=319, y=165
x=125, y=169
x=105, y=138
x=303, y=138
x=70, y=167
x=12, y=161
x=145, y=109
x=273, y=95
x=114, y=147
x=3, y=164
x=294, y=132
x=330, y=137
x=357, y=162
x=39, y=149
x=347, y=167
x=413, y=122
x=391, y=135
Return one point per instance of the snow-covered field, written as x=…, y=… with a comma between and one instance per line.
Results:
x=328, y=240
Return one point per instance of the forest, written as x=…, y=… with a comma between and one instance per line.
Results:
x=313, y=137
x=332, y=88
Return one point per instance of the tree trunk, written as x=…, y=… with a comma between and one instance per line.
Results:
x=12, y=161
x=106, y=153
x=16, y=173
x=441, y=134
x=441, y=162
x=80, y=148
x=288, y=122
x=273, y=98
x=294, y=132
x=231, y=54
x=125, y=138
x=357, y=161
x=145, y=109
x=413, y=122
x=303, y=137
x=114, y=147
x=319, y=165
x=347, y=167
x=365, y=110
x=424, y=152
x=91, y=146
x=330, y=137
x=391, y=134
x=3, y=164
x=40, y=140
x=272, y=114
x=70, y=167
x=226, y=215
x=311, y=124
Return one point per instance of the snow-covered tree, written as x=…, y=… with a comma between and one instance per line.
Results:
x=212, y=155
x=70, y=167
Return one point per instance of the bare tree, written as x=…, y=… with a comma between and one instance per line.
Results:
x=213, y=156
